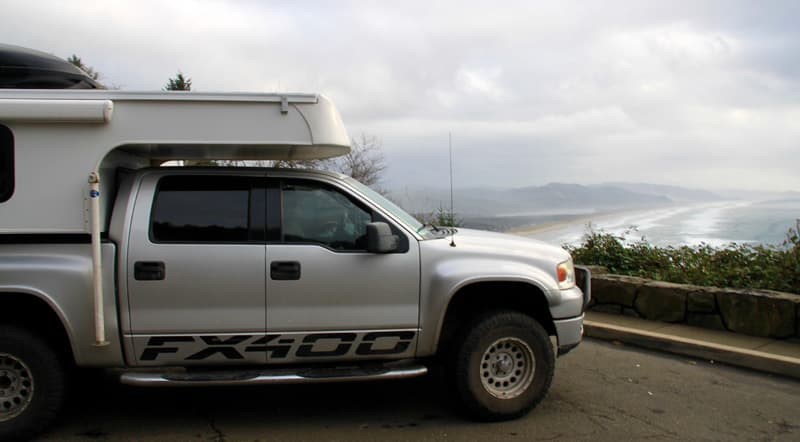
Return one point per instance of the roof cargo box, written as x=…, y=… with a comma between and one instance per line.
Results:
x=22, y=68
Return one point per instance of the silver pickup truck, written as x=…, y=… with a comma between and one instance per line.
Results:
x=192, y=276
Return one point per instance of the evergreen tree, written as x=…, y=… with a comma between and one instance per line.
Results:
x=179, y=83
x=78, y=63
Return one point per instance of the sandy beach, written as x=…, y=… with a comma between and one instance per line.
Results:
x=570, y=222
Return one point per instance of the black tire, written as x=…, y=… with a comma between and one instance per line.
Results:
x=32, y=380
x=503, y=366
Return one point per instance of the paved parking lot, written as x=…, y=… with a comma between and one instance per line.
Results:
x=601, y=391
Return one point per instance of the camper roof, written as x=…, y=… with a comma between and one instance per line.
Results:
x=186, y=125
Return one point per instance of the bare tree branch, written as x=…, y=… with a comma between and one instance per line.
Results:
x=365, y=162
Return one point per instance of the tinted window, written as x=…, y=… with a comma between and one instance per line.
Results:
x=315, y=213
x=201, y=209
x=6, y=164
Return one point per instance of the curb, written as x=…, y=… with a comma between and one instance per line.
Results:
x=753, y=359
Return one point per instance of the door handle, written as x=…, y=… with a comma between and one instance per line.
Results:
x=149, y=271
x=284, y=270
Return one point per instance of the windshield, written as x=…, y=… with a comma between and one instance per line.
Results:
x=389, y=206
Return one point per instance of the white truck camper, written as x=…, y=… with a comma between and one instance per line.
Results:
x=194, y=276
x=60, y=138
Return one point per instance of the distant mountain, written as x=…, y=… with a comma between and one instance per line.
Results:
x=570, y=196
x=675, y=193
x=758, y=195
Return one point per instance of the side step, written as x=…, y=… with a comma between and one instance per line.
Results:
x=270, y=377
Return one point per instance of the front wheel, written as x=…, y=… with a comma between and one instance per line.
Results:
x=32, y=382
x=503, y=366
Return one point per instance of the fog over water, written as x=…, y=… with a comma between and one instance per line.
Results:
x=716, y=224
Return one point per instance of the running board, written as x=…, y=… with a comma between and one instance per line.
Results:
x=270, y=377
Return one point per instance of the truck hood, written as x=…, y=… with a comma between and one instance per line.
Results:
x=496, y=253
x=511, y=246
x=488, y=256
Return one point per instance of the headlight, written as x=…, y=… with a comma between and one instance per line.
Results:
x=566, y=275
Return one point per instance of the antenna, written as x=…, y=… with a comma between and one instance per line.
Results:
x=452, y=214
x=450, y=145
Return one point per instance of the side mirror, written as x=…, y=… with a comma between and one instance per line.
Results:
x=380, y=238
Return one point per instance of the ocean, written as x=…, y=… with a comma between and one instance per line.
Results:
x=716, y=224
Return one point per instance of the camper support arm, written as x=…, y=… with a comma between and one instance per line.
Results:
x=97, y=266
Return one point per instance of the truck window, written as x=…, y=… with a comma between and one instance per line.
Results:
x=316, y=213
x=6, y=163
x=201, y=209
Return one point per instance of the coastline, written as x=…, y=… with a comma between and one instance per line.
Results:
x=582, y=220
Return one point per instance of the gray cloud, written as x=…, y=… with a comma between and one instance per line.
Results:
x=689, y=93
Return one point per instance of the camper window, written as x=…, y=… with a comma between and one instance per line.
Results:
x=6, y=164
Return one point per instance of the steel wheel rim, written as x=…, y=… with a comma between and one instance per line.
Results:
x=507, y=367
x=16, y=387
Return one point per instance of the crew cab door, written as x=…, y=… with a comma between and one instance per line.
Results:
x=196, y=270
x=327, y=297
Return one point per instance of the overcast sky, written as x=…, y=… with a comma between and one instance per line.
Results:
x=691, y=93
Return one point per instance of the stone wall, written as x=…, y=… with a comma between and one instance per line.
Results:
x=762, y=313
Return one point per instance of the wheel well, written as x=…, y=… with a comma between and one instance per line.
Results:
x=33, y=314
x=479, y=298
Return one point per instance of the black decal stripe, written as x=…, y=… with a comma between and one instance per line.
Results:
x=274, y=351
x=264, y=339
x=345, y=337
x=404, y=341
x=388, y=334
x=228, y=352
x=150, y=354
x=233, y=340
x=307, y=349
x=161, y=340
x=365, y=349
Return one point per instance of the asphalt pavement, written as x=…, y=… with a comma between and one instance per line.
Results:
x=602, y=391
x=777, y=356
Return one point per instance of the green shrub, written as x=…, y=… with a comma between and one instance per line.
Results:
x=736, y=265
x=440, y=218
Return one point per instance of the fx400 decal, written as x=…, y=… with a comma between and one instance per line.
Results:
x=274, y=347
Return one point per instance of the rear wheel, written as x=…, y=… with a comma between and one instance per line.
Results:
x=504, y=366
x=32, y=382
